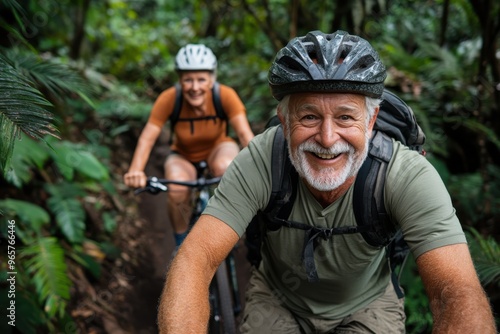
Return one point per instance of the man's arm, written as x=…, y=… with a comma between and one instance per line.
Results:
x=184, y=306
x=457, y=300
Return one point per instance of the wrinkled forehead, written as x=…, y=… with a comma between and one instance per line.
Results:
x=322, y=99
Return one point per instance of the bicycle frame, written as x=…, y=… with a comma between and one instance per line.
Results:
x=224, y=292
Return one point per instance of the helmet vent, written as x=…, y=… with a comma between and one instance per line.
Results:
x=314, y=57
x=291, y=64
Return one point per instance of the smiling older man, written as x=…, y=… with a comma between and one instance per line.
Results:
x=329, y=87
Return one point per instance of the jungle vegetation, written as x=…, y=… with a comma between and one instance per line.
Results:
x=78, y=79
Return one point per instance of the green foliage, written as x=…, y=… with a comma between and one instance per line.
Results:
x=72, y=158
x=486, y=253
x=418, y=315
x=481, y=201
x=127, y=56
x=109, y=222
x=54, y=77
x=29, y=213
x=44, y=261
x=22, y=108
x=29, y=315
x=62, y=214
x=27, y=154
x=123, y=106
x=69, y=216
x=43, y=286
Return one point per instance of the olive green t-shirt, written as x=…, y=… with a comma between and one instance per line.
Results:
x=351, y=272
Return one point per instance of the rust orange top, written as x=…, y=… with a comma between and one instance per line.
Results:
x=195, y=139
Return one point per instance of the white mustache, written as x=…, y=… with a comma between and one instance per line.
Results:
x=334, y=150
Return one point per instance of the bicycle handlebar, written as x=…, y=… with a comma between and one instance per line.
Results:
x=154, y=185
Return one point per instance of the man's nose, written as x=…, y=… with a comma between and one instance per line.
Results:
x=327, y=134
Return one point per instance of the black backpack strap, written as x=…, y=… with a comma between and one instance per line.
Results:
x=281, y=195
x=174, y=117
x=283, y=184
x=397, y=252
x=283, y=178
x=369, y=208
x=368, y=197
x=219, y=110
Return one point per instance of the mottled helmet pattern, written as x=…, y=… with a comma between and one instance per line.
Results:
x=319, y=62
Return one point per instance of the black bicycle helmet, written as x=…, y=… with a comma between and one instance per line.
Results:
x=320, y=62
x=195, y=57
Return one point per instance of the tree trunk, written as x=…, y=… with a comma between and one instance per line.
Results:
x=79, y=28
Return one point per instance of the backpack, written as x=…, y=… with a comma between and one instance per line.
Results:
x=174, y=117
x=395, y=120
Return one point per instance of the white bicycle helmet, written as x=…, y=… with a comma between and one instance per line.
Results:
x=320, y=62
x=195, y=57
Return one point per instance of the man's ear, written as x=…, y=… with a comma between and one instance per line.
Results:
x=281, y=117
x=374, y=119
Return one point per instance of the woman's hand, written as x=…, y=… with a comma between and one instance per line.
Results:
x=136, y=179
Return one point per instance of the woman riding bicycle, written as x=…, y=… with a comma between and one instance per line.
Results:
x=198, y=134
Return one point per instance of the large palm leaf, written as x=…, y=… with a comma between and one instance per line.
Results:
x=22, y=108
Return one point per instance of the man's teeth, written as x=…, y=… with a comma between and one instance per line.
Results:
x=326, y=156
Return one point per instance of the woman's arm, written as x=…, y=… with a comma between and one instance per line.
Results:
x=457, y=300
x=184, y=306
x=135, y=176
x=242, y=128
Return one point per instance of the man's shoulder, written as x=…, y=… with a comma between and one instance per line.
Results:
x=409, y=167
x=263, y=140
x=403, y=156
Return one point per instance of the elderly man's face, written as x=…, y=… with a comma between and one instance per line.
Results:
x=328, y=136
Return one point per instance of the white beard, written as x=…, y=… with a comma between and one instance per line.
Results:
x=327, y=179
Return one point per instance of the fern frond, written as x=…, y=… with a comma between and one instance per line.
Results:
x=58, y=79
x=22, y=108
x=486, y=254
x=44, y=260
x=71, y=158
x=65, y=189
x=29, y=213
x=27, y=154
x=70, y=217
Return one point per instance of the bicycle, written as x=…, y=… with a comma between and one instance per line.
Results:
x=224, y=292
